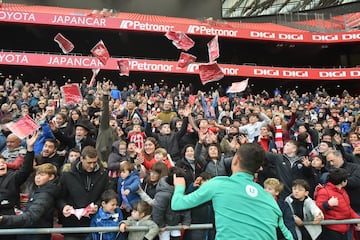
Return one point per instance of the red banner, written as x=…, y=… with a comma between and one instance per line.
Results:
x=122, y=23
x=100, y=52
x=65, y=44
x=213, y=49
x=123, y=67
x=185, y=59
x=23, y=127
x=71, y=93
x=210, y=72
x=143, y=65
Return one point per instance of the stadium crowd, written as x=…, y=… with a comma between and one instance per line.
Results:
x=110, y=159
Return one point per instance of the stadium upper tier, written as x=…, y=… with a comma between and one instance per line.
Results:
x=338, y=23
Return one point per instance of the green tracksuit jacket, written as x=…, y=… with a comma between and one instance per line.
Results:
x=243, y=210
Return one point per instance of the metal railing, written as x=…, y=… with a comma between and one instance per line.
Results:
x=20, y=231
x=93, y=229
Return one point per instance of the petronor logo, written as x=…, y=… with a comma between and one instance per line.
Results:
x=125, y=24
x=192, y=68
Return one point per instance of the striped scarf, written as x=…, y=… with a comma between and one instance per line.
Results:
x=279, y=137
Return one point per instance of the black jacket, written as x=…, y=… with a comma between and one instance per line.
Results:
x=56, y=160
x=10, y=184
x=169, y=141
x=184, y=164
x=69, y=141
x=287, y=170
x=79, y=189
x=288, y=220
x=39, y=211
x=353, y=184
x=149, y=188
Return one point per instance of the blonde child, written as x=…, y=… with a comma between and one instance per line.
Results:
x=161, y=155
x=274, y=187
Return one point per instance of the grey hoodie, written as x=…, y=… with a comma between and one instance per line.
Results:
x=162, y=213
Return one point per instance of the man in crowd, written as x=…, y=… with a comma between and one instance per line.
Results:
x=49, y=154
x=258, y=215
x=13, y=152
x=288, y=166
x=81, y=187
x=80, y=140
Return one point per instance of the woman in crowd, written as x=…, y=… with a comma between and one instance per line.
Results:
x=148, y=186
x=280, y=130
x=187, y=163
x=212, y=160
x=75, y=117
x=95, y=108
x=146, y=157
x=352, y=145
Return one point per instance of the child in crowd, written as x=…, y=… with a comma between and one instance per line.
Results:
x=162, y=213
x=74, y=154
x=318, y=163
x=304, y=209
x=161, y=155
x=39, y=212
x=137, y=136
x=166, y=137
x=128, y=185
x=116, y=157
x=274, y=187
x=108, y=215
x=319, y=172
x=140, y=216
x=334, y=201
x=132, y=152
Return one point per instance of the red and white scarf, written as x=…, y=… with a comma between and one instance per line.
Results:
x=279, y=137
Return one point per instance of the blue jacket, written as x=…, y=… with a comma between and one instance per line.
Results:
x=103, y=219
x=132, y=182
x=46, y=133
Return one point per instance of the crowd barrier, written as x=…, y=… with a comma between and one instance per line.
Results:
x=135, y=228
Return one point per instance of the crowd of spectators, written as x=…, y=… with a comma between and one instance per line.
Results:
x=134, y=142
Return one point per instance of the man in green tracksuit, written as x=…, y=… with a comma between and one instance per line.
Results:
x=243, y=210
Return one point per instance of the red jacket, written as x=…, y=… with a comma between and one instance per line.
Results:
x=149, y=163
x=340, y=212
